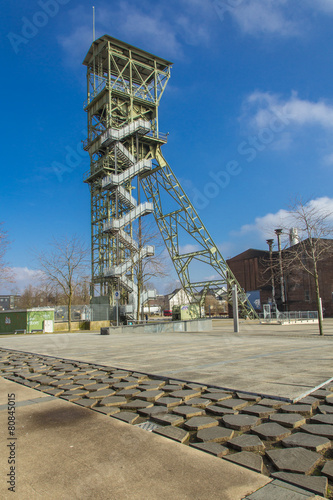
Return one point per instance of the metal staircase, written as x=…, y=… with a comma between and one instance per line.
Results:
x=120, y=226
x=141, y=127
x=143, y=209
x=127, y=175
x=124, y=88
x=122, y=269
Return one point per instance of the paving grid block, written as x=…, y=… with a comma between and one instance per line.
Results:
x=308, y=441
x=217, y=434
x=247, y=459
x=298, y=460
x=71, y=376
x=172, y=432
x=247, y=442
x=317, y=485
x=271, y=431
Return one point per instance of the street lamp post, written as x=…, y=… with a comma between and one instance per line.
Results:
x=278, y=233
x=270, y=244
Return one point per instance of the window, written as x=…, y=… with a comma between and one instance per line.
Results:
x=307, y=295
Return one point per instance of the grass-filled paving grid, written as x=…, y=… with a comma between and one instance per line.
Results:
x=289, y=441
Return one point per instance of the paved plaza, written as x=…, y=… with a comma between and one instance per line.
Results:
x=209, y=435
x=286, y=361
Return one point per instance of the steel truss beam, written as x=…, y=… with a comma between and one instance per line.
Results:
x=124, y=85
x=163, y=181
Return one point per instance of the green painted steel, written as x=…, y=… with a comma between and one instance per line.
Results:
x=124, y=88
x=125, y=85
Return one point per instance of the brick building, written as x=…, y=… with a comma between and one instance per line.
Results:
x=253, y=272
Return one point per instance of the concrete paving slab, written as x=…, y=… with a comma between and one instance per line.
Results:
x=316, y=485
x=22, y=393
x=279, y=490
x=218, y=357
x=69, y=452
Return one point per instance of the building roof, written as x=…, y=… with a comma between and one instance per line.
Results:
x=123, y=48
x=172, y=294
x=30, y=309
x=251, y=253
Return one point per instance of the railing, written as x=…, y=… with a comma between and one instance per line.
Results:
x=161, y=136
x=126, y=197
x=117, y=179
x=116, y=224
x=112, y=135
x=128, y=241
x=124, y=154
x=141, y=93
x=148, y=294
x=86, y=175
x=122, y=269
x=89, y=173
x=93, y=94
x=290, y=316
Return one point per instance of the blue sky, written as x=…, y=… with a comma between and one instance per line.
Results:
x=249, y=109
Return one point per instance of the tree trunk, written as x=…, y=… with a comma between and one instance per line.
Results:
x=319, y=309
x=138, y=304
x=70, y=313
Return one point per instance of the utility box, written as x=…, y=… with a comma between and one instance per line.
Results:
x=185, y=312
x=27, y=320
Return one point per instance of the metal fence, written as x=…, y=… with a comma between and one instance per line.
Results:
x=94, y=312
x=290, y=316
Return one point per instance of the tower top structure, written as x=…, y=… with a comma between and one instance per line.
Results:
x=124, y=49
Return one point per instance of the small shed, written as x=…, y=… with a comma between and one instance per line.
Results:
x=27, y=320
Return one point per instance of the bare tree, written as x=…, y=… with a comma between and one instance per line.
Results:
x=64, y=267
x=5, y=272
x=315, y=228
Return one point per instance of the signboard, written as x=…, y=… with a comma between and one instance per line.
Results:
x=117, y=295
x=254, y=299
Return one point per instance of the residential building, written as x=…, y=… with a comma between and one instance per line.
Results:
x=8, y=302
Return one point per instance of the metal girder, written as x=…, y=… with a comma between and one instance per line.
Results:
x=125, y=84
x=164, y=182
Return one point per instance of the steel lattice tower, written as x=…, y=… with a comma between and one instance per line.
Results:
x=125, y=85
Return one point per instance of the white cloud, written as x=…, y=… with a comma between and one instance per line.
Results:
x=212, y=277
x=165, y=26
x=285, y=121
x=189, y=248
x=158, y=28
x=263, y=227
x=328, y=160
x=283, y=18
x=264, y=17
x=262, y=107
x=77, y=43
x=23, y=277
x=324, y=5
x=151, y=26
